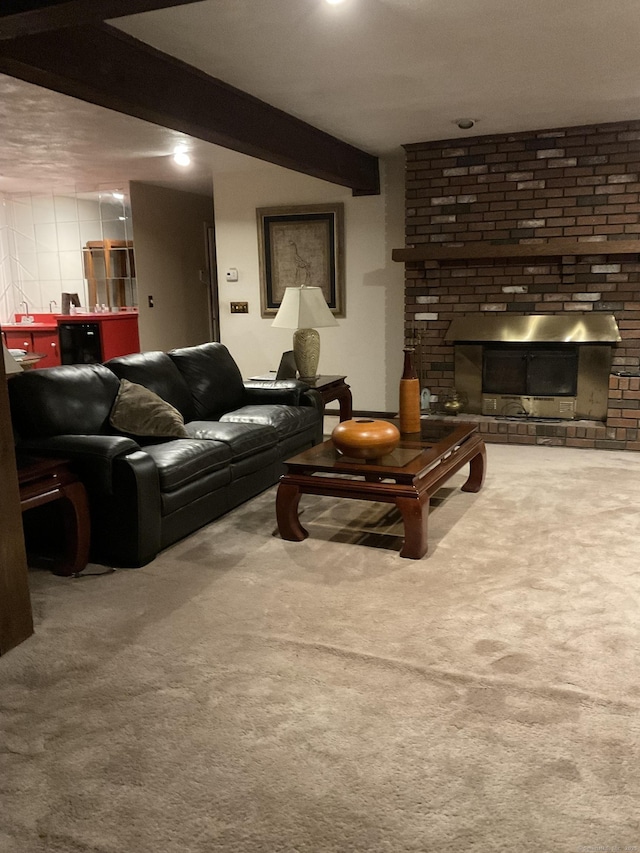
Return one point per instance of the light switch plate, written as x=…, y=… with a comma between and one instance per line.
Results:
x=239, y=307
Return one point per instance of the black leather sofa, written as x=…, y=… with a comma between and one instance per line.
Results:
x=146, y=493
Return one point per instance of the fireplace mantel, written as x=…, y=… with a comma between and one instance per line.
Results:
x=489, y=251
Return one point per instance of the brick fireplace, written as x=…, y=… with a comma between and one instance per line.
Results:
x=541, y=223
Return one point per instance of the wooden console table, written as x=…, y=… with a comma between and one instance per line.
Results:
x=43, y=481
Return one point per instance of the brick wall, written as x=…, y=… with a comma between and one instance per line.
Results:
x=580, y=183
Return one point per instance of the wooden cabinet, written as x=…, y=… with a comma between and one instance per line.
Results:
x=109, y=268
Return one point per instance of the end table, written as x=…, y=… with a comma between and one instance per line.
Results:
x=43, y=481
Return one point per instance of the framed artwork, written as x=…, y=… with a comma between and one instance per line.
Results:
x=301, y=246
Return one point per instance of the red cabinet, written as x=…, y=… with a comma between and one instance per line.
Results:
x=18, y=340
x=116, y=334
x=46, y=343
x=41, y=341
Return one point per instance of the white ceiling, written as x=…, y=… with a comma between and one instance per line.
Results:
x=375, y=73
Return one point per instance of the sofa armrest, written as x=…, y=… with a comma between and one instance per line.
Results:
x=313, y=398
x=123, y=486
x=91, y=456
x=285, y=391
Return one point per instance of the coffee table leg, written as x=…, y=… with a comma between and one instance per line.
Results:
x=287, y=500
x=476, y=471
x=415, y=515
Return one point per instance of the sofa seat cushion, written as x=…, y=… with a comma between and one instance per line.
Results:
x=211, y=488
x=181, y=461
x=242, y=439
x=286, y=420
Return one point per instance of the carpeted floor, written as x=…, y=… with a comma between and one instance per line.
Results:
x=246, y=694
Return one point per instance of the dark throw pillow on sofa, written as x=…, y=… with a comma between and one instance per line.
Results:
x=139, y=411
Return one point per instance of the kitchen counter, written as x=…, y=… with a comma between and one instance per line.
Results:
x=49, y=322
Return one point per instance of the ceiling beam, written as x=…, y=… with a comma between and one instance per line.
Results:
x=26, y=17
x=104, y=66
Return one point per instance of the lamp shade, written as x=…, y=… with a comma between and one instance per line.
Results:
x=10, y=364
x=304, y=308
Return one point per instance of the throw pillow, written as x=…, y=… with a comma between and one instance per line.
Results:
x=139, y=411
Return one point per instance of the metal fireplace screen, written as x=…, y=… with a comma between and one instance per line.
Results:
x=530, y=370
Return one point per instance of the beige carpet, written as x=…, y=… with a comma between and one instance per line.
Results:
x=246, y=694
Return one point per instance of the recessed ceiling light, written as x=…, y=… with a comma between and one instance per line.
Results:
x=334, y=2
x=118, y=196
x=465, y=123
x=180, y=155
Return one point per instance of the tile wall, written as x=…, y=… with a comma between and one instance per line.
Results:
x=41, y=240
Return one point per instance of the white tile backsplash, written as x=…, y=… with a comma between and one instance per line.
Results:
x=43, y=208
x=46, y=237
x=26, y=264
x=22, y=220
x=23, y=245
x=70, y=265
x=68, y=237
x=48, y=266
x=66, y=208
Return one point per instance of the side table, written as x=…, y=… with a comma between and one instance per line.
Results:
x=43, y=481
x=335, y=388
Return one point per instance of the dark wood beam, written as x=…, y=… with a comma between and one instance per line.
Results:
x=26, y=17
x=104, y=66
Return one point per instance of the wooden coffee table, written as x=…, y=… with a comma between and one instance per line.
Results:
x=408, y=477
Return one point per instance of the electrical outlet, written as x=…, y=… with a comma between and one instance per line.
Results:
x=239, y=307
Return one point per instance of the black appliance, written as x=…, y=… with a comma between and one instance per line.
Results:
x=80, y=343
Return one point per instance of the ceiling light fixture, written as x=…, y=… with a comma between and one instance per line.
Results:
x=334, y=2
x=118, y=196
x=180, y=155
x=465, y=123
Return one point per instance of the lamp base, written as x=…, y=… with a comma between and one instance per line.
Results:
x=306, y=352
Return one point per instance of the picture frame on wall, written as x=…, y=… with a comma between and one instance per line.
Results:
x=301, y=245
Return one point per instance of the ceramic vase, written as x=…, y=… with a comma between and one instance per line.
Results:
x=365, y=438
x=409, y=408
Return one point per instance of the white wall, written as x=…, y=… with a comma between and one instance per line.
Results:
x=367, y=344
x=169, y=240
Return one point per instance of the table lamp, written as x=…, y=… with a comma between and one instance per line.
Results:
x=305, y=310
x=11, y=366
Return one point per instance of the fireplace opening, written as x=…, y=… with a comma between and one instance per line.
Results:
x=529, y=370
x=534, y=365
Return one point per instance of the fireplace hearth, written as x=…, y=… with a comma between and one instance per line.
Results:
x=534, y=366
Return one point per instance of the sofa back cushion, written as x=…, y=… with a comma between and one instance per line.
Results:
x=74, y=399
x=213, y=378
x=157, y=372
